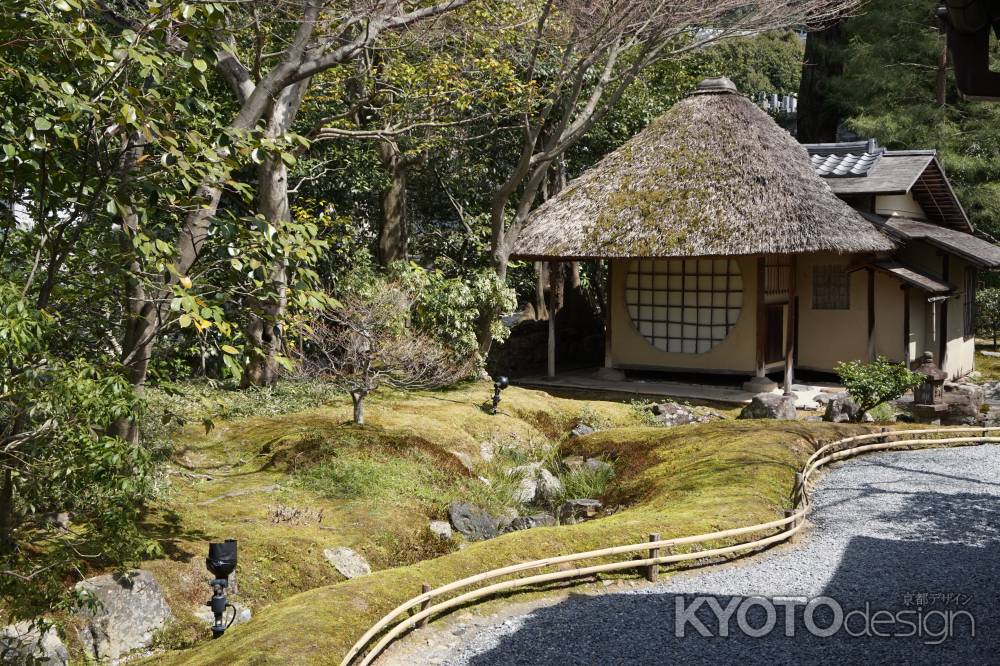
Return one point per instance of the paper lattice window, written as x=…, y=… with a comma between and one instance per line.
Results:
x=684, y=306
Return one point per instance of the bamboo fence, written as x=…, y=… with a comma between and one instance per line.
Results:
x=786, y=528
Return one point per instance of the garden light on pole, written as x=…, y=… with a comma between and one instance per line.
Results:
x=500, y=384
x=221, y=562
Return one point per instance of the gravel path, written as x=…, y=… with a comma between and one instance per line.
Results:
x=916, y=534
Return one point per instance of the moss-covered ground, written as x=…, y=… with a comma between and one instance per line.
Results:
x=290, y=485
x=398, y=471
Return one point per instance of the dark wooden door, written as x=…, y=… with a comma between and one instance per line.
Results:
x=775, y=333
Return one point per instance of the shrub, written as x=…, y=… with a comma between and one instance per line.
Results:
x=875, y=383
x=70, y=494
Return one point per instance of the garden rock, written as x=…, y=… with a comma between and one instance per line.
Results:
x=505, y=519
x=22, y=643
x=243, y=615
x=129, y=608
x=441, y=529
x=471, y=521
x=595, y=465
x=534, y=520
x=549, y=487
x=486, y=451
x=671, y=414
x=770, y=406
x=573, y=463
x=576, y=511
x=347, y=562
x=581, y=430
x=965, y=402
x=843, y=409
x=526, y=490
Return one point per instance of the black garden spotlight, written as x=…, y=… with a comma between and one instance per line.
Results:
x=221, y=562
x=500, y=384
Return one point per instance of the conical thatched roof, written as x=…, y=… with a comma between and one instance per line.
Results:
x=716, y=176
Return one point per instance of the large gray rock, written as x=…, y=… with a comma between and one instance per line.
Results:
x=842, y=409
x=548, y=488
x=24, y=643
x=770, y=406
x=578, y=510
x=965, y=402
x=582, y=430
x=527, y=488
x=471, y=521
x=128, y=609
x=536, y=485
x=347, y=562
x=528, y=522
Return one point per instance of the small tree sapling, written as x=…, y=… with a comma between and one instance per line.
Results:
x=367, y=341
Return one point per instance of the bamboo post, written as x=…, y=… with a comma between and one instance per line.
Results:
x=653, y=570
x=798, y=493
x=424, y=589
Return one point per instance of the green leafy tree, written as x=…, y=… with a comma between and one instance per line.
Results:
x=69, y=493
x=875, y=383
x=988, y=312
x=897, y=86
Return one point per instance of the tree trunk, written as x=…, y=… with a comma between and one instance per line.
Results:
x=7, y=510
x=941, y=80
x=264, y=329
x=358, y=398
x=393, y=238
x=818, y=115
x=143, y=314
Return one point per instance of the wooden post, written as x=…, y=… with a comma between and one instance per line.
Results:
x=608, y=314
x=907, y=358
x=871, y=313
x=790, y=325
x=555, y=284
x=789, y=526
x=653, y=570
x=424, y=589
x=761, y=316
x=943, y=355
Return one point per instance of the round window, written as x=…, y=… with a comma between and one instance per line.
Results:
x=684, y=306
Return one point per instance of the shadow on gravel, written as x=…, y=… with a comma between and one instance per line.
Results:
x=886, y=575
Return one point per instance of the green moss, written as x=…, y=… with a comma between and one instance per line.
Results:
x=678, y=481
x=372, y=488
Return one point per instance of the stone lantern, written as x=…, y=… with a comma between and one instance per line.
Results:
x=928, y=397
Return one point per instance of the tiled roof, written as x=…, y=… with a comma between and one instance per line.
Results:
x=864, y=167
x=849, y=165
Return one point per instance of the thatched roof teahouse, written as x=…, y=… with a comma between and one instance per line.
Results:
x=729, y=251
